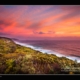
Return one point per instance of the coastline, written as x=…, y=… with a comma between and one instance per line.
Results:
x=48, y=51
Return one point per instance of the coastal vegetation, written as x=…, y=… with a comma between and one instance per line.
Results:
x=17, y=59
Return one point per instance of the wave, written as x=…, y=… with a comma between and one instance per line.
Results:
x=48, y=51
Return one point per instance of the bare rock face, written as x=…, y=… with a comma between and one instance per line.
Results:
x=7, y=45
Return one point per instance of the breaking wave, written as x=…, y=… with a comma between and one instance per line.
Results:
x=48, y=51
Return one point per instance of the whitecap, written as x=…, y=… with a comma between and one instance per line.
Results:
x=48, y=51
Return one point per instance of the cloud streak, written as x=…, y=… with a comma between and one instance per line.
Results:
x=39, y=21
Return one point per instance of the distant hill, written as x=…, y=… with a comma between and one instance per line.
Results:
x=7, y=45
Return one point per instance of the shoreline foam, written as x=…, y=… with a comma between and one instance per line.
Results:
x=48, y=51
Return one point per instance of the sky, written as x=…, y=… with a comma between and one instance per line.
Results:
x=35, y=22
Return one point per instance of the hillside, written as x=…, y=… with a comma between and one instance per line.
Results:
x=7, y=45
x=17, y=59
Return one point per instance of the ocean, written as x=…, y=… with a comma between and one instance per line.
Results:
x=65, y=48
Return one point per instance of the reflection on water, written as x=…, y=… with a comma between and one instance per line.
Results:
x=64, y=47
x=67, y=48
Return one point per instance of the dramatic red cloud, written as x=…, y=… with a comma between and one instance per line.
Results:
x=40, y=21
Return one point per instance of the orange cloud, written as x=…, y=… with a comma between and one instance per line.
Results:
x=40, y=21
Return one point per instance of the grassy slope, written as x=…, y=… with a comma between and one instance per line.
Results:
x=16, y=59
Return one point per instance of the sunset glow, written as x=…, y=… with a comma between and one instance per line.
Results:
x=40, y=21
